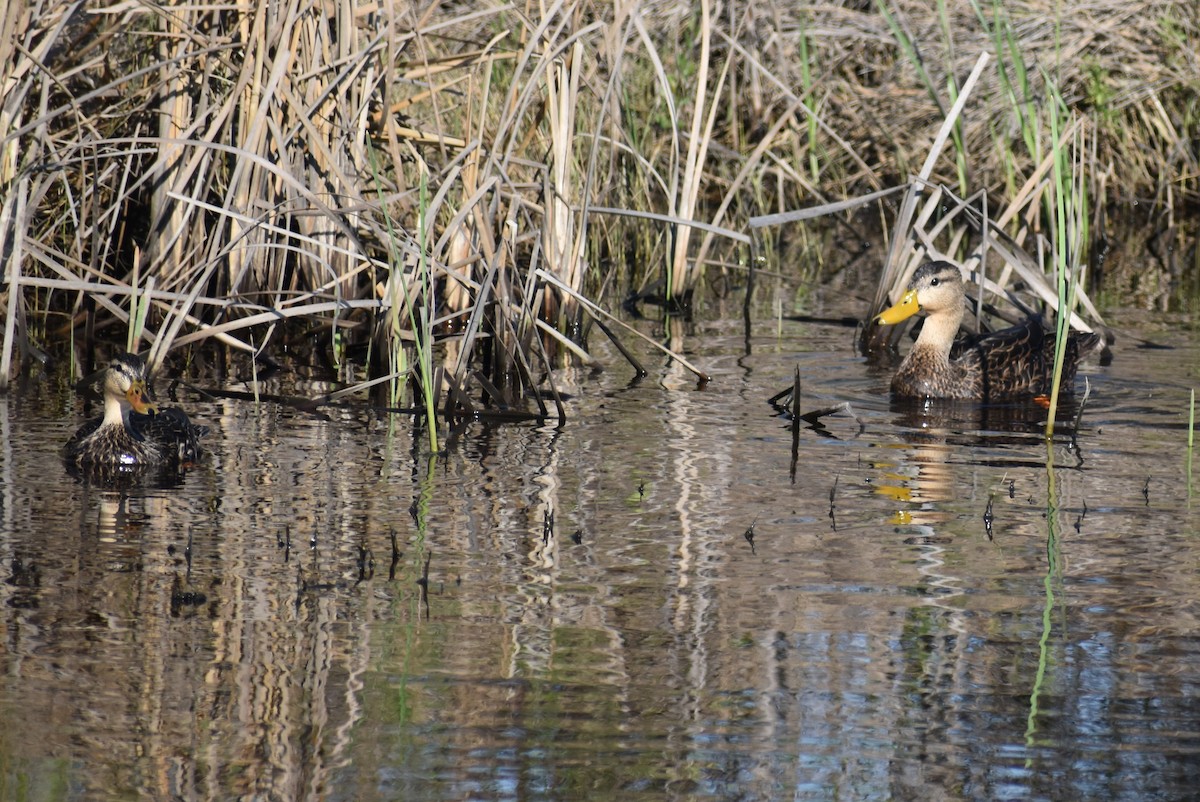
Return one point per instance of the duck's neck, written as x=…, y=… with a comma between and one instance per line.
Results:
x=939, y=330
x=115, y=412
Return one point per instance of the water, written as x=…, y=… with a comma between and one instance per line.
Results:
x=252, y=633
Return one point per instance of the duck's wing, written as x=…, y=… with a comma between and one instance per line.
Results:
x=82, y=433
x=171, y=428
x=1026, y=337
x=1019, y=360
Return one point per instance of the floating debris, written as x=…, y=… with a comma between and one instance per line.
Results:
x=396, y=554
x=183, y=596
x=749, y=535
x=988, y=518
x=423, y=582
x=366, y=562
x=832, y=504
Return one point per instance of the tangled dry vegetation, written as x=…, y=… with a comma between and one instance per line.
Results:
x=461, y=188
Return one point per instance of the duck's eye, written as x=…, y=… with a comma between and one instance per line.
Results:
x=935, y=282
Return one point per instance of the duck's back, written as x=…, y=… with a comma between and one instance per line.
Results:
x=173, y=431
x=1019, y=361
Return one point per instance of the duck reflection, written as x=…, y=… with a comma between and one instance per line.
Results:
x=936, y=435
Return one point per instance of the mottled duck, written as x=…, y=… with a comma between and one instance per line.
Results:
x=1006, y=364
x=133, y=433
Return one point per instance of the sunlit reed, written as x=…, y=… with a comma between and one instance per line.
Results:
x=231, y=145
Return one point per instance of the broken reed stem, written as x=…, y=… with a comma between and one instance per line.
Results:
x=1087, y=393
x=796, y=398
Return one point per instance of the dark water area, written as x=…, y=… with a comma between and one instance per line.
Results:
x=930, y=604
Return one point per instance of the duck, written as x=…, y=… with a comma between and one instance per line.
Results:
x=134, y=433
x=1000, y=365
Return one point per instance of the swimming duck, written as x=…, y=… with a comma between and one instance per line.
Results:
x=1009, y=363
x=133, y=433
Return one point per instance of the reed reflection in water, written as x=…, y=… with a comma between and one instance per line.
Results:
x=323, y=611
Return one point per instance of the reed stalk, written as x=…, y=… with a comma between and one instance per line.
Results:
x=422, y=325
x=1050, y=582
x=562, y=242
x=1191, y=438
x=412, y=296
x=680, y=277
x=807, y=85
x=1069, y=220
x=231, y=145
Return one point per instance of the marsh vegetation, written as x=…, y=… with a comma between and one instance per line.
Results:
x=441, y=205
x=450, y=198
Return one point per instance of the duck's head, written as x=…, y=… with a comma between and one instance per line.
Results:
x=125, y=384
x=935, y=287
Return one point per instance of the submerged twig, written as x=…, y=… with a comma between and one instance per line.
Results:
x=423, y=583
x=795, y=425
x=396, y=554
x=593, y=308
x=988, y=517
x=620, y=346
x=833, y=503
x=749, y=535
x=815, y=415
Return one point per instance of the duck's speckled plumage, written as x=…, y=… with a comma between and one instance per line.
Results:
x=133, y=434
x=1010, y=363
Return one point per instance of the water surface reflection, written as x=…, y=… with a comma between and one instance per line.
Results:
x=323, y=611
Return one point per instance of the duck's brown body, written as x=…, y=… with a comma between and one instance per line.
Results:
x=1006, y=364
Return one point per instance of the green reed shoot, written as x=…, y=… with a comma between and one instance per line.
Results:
x=909, y=48
x=1191, y=438
x=1015, y=85
x=402, y=296
x=806, y=84
x=424, y=331
x=952, y=89
x=1052, y=580
x=1069, y=220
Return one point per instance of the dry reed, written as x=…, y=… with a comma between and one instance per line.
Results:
x=260, y=162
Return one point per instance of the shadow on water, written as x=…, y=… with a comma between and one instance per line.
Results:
x=679, y=594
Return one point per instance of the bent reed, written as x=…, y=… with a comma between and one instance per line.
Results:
x=459, y=188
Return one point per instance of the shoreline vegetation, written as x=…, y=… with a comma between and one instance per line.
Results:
x=455, y=194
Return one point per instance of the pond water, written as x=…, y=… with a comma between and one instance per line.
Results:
x=323, y=611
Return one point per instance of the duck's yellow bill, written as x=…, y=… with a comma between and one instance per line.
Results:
x=138, y=398
x=907, y=307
